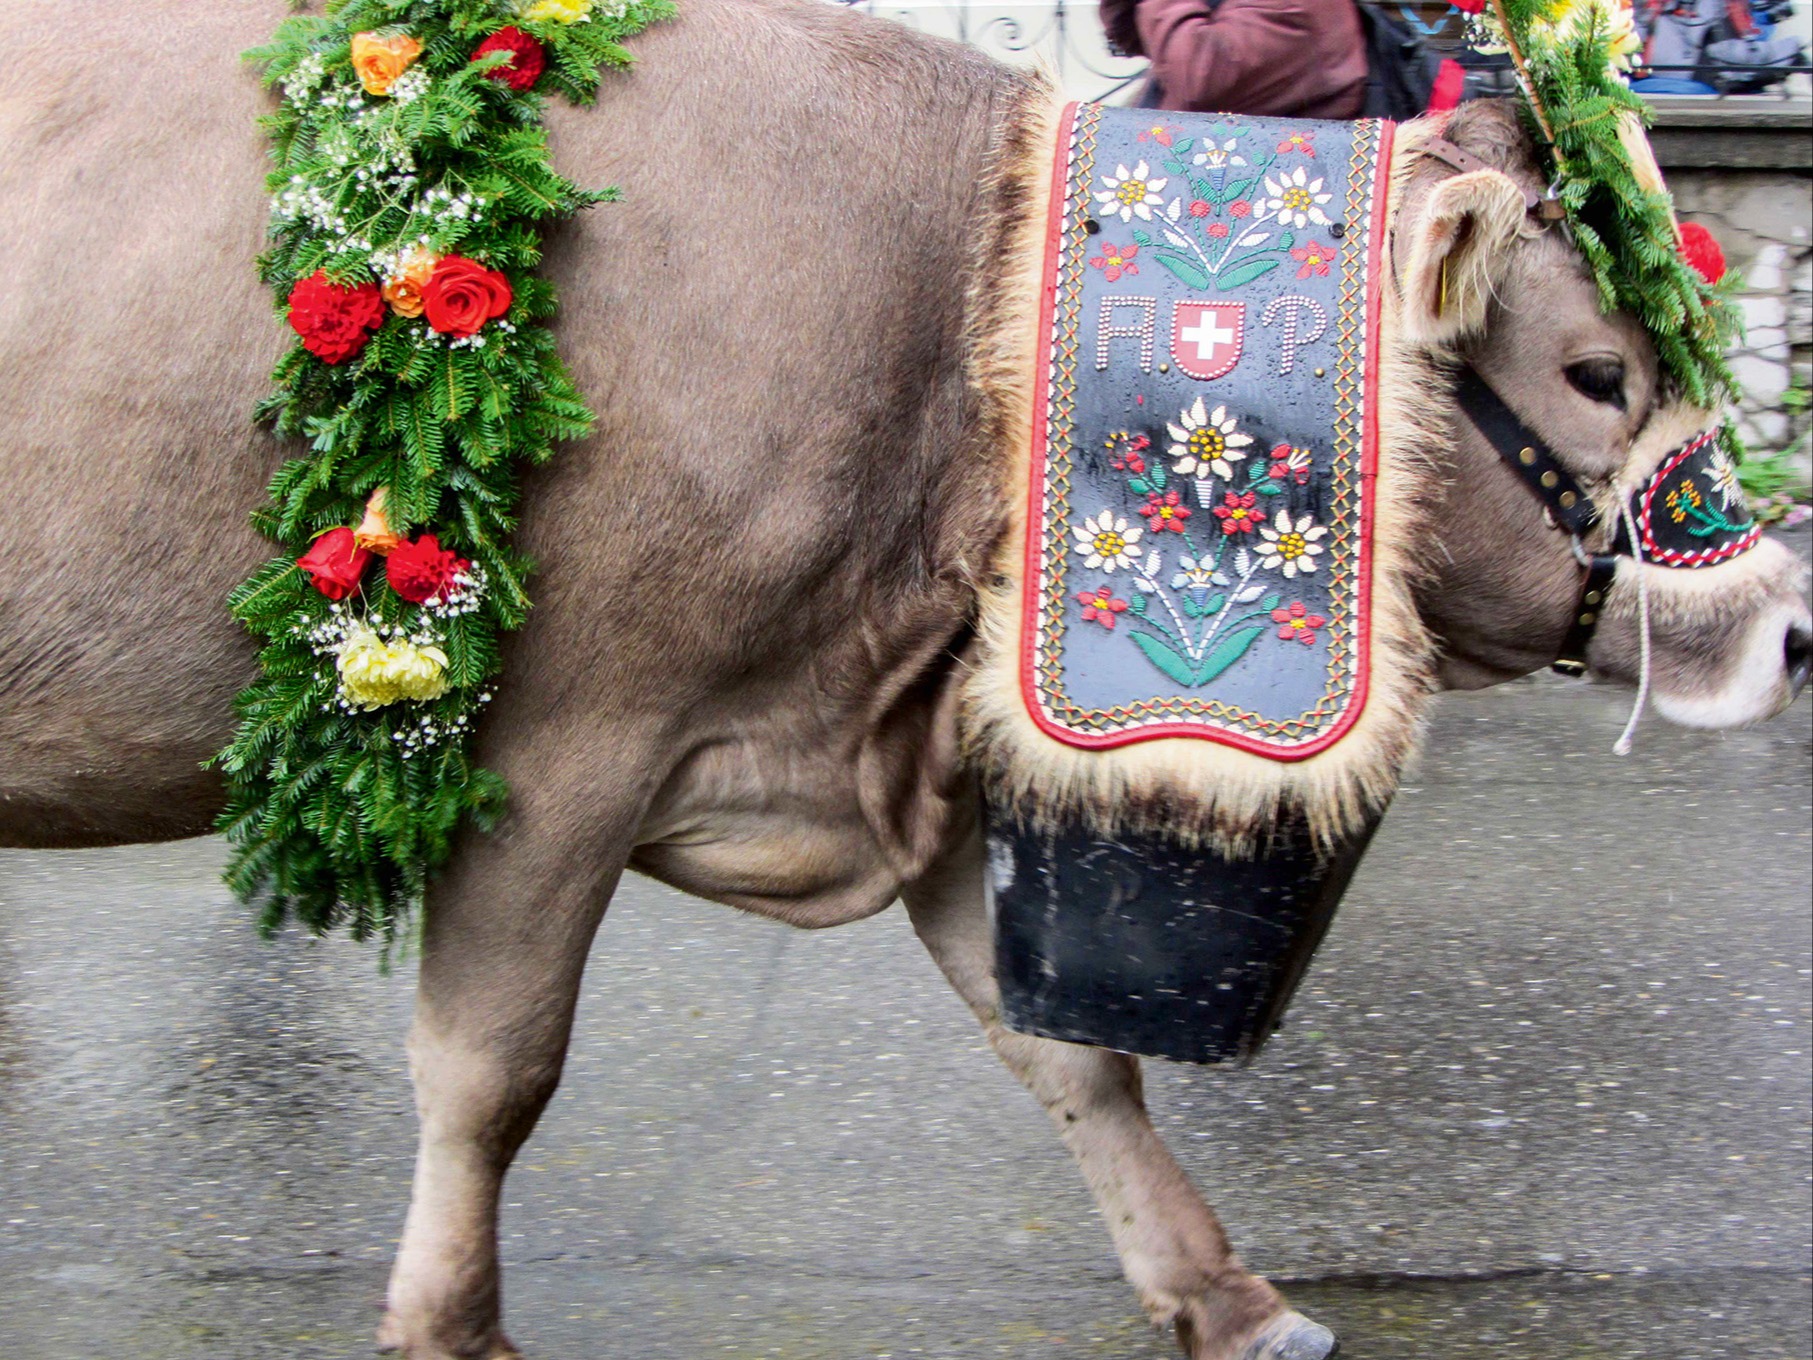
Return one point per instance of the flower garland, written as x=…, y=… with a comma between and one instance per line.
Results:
x=412, y=184
x=1571, y=57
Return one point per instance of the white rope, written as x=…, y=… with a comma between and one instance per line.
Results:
x=1622, y=746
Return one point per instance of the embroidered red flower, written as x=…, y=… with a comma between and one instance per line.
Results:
x=1237, y=514
x=334, y=320
x=1159, y=133
x=1217, y=230
x=1115, y=261
x=527, y=60
x=1240, y=208
x=1198, y=208
x=1124, y=449
x=1314, y=258
x=335, y=563
x=1701, y=249
x=1298, y=141
x=1100, y=606
x=1164, y=512
x=1299, y=624
x=462, y=295
x=1289, y=464
x=421, y=570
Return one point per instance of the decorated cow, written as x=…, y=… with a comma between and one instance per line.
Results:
x=946, y=448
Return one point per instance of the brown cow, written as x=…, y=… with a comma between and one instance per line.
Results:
x=739, y=678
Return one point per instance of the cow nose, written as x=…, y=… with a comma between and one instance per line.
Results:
x=1797, y=654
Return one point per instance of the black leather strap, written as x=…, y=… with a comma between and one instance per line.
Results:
x=1544, y=207
x=1526, y=455
x=1587, y=609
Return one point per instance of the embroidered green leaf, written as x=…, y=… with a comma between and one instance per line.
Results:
x=1268, y=489
x=1168, y=661
x=1229, y=650
x=1244, y=274
x=1186, y=269
x=1142, y=238
x=1137, y=603
x=1183, y=146
x=1156, y=474
x=1270, y=602
x=1213, y=604
x=1190, y=608
x=1139, y=486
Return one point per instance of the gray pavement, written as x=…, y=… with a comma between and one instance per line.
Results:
x=1545, y=1094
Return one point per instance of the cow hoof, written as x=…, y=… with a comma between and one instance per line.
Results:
x=1293, y=1337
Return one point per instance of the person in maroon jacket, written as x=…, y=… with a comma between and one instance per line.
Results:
x=1284, y=58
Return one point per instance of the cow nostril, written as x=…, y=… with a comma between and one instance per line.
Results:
x=1797, y=654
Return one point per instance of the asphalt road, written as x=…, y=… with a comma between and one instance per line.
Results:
x=1544, y=1096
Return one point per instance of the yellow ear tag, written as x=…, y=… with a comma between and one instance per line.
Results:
x=1441, y=300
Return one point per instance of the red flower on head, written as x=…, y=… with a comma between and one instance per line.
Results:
x=335, y=563
x=1100, y=606
x=462, y=295
x=1164, y=512
x=421, y=570
x=1299, y=624
x=1198, y=208
x=334, y=320
x=1700, y=248
x=1115, y=261
x=1470, y=6
x=1240, y=208
x=1217, y=230
x=526, y=57
x=1314, y=258
x=1236, y=513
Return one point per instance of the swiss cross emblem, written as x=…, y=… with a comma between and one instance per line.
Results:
x=1206, y=337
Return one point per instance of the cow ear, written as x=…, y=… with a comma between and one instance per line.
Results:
x=1460, y=243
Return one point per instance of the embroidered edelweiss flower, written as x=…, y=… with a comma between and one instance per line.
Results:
x=1130, y=195
x=1116, y=260
x=1100, y=606
x=1722, y=473
x=1289, y=464
x=1219, y=155
x=1296, y=200
x=1197, y=574
x=1292, y=546
x=1237, y=514
x=1313, y=258
x=1298, y=624
x=1164, y=512
x=1106, y=542
x=1206, y=442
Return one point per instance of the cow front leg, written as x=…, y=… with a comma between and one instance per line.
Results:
x=503, y=948
x=1171, y=1245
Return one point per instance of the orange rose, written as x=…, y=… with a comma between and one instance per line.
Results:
x=403, y=290
x=374, y=533
x=379, y=61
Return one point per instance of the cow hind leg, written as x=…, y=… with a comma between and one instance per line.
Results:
x=1171, y=1245
x=503, y=949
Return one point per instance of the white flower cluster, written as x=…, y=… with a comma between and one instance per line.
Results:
x=300, y=201
x=443, y=207
x=463, y=596
x=430, y=729
x=410, y=86
x=346, y=96
x=302, y=81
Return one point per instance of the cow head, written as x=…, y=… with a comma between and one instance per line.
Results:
x=1483, y=283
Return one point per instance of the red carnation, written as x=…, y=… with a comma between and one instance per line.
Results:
x=1700, y=248
x=526, y=58
x=462, y=295
x=334, y=320
x=335, y=563
x=421, y=570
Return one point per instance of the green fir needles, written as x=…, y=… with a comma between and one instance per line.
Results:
x=1570, y=57
x=411, y=191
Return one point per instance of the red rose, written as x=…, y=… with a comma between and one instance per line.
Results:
x=1700, y=248
x=335, y=563
x=526, y=60
x=421, y=570
x=333, y=320
x=462, y=295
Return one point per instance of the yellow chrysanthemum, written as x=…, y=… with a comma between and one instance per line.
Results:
x=374, y=672
x=559, y=11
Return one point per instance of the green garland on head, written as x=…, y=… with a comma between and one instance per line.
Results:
x=411, y=192
x=1570, y=55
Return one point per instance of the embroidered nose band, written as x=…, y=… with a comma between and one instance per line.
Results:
x=1689, y=513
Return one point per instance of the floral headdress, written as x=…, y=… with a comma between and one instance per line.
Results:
x=1571, y=59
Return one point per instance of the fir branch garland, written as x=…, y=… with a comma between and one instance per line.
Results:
x=411, y=188
x=1570, y=56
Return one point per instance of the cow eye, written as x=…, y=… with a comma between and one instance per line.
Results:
x=1599, y=380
